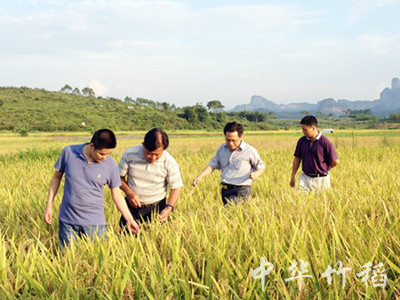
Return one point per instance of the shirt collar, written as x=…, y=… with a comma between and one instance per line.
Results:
x=242, y=146
x=82, y=155
x=317, y=138
x=79, y=152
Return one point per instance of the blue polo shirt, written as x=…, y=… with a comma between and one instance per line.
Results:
x=317, y=155
x=83, y=200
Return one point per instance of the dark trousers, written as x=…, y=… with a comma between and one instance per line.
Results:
x=143, y=214
x=232, y=194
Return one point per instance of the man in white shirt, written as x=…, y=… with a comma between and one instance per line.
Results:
x=146, y=171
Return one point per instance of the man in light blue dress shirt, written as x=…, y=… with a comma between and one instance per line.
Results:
x=239, y=163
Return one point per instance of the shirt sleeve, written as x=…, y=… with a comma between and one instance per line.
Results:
x=60, y=163
x=257, y=162
x=115, y=179
x=215, y=161
x=123, y=165
x=331, y=152
x=297, y=152
x=174, y=178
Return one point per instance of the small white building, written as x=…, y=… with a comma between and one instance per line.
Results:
x=329, y=130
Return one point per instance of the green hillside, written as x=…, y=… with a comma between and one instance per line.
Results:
x=24, y=109
x=40, y=110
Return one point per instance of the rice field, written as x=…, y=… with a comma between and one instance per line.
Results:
x=205, y=250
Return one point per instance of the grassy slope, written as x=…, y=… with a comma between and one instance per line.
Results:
x=35, y=109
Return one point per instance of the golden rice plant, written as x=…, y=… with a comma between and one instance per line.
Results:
x=205, y=250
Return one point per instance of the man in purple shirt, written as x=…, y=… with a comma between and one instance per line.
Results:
x=318, y=156
x=87, y=168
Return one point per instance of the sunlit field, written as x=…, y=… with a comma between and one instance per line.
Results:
x=205, y=250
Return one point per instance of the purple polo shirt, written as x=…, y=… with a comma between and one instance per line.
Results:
x=316, y=156
x=83, y=200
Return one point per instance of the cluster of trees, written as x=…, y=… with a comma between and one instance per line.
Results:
x=143, y=102
x=360, y=115
x=394, y=118
x=213, y=114
x=350, y=113
x=86, y=91
x=254, y=116
x=319, y=114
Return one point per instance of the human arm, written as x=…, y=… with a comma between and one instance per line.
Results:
x=295, y=167
x=123, y=208
x=257, y=173
x=53, y=189
x=334, y=163
x=133, y=198
x=331, y=154
x=256, y=163
x=206, y=171
x=172, y=200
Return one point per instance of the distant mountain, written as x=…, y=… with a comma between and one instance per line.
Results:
x=258, y=103
x=389, y=102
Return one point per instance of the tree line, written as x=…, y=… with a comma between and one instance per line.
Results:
x=86, y=91
x=24, y=109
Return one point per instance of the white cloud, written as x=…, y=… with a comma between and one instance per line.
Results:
x=176, y=51
x=380, y=44
x=360, y=9
x=263, y=17
x=374, y=3
x=95, y=25
x=98, y=88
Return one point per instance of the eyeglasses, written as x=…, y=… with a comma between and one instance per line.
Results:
x=232, y=141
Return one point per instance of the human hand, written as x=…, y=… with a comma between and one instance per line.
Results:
x=196, y=181
x=134, y=199
x=48, y=215
x=292, y=182
x=133, y=226
x=165, y=214
x=254, y=175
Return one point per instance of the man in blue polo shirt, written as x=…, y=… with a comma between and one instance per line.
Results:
x=87, y=168
x=318, y=156
x=239, y=163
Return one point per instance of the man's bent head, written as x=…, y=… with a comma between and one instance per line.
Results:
x=309, y=126
x=155, y=142
x=104, y=138
x=102, y=144
x=233, y=135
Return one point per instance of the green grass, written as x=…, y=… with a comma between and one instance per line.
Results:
x=207, y=251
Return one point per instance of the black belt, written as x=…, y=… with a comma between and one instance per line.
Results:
x=317, y=175
x=145, y=205
x=149, y=205
x=231, y=186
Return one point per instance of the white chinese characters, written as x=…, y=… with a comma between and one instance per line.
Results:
x=294, y=269
x=261, y=272
x=340, y=271
x=300, y=272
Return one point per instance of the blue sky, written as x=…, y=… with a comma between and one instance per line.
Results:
x=187, y=52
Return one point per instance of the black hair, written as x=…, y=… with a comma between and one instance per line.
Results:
x=104, y=139
x=232, y=127
x=309, y=121
x=156, y=138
